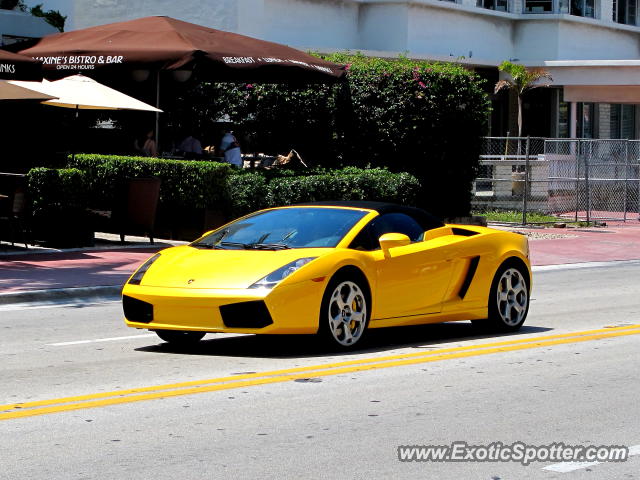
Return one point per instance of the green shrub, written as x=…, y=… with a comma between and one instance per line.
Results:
x=252, y=191
x=62, y=188
x=193, y=184
x=59, y=202
x=246, y=192
x=420, y=117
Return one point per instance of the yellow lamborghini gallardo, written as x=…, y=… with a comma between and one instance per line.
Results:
x=332, y=268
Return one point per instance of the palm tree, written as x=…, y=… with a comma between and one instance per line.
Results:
x=522, y=79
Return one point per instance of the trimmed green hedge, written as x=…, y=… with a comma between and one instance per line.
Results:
x=252, y=191
x=66, y=187
x=184, y=184
x=193, y=184
x=59, y=200
x=63, y=196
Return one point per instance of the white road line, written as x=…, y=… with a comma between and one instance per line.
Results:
x=566, y=467
x=98, y=340
x=12, y=307
x=576, y=266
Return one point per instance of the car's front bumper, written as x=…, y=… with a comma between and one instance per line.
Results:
x=291, y=309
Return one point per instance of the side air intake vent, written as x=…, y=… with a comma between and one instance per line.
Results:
x=463, y=232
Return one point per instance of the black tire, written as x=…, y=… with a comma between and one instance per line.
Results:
x=177, y=337
x=351, y=319
x=509, y=299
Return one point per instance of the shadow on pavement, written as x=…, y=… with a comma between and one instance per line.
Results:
x=422, y=337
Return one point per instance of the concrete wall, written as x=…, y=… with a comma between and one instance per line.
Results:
x=423, y=28
x=459, y=32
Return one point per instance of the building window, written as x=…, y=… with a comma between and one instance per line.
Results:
x=538, y=6
x=625, y=11
x=623, y=121
x=585, y=119
x=500, y=5
x=580, y=8
x=562, y=130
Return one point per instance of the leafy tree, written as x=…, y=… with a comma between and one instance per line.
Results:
x=522, y=80
x=419, y=117
x=12, y=4
x=52, y=17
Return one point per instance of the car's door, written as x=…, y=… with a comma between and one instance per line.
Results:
x=414, y=278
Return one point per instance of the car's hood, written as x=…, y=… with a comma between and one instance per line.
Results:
x=202, y=268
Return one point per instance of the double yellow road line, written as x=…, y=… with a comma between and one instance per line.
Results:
x=44, y=407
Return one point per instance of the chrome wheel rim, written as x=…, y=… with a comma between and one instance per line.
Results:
x=347, y=313
x=512, y=297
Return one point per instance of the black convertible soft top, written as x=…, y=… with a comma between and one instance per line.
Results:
x=426, y=220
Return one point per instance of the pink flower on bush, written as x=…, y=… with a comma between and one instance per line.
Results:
x=422, y=85
x=347, y=67
x=249, y=85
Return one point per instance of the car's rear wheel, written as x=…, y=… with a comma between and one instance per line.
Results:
x=176, y=337
x=344, y=314
x=508, y=299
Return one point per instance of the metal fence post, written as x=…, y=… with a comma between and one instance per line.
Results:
x=587, y=187
x=577, y=178
x=626, y=178
x=525, y=191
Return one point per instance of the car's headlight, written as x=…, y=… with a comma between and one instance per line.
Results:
x=136, y=278
x=280, y=274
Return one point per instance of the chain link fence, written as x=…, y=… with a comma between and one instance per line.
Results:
x=576, y=179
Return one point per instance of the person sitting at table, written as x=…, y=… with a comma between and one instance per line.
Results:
x=190, y=147
x=146, y=146
x=231, y=149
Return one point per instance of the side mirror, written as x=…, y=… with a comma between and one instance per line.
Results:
x=392, y=240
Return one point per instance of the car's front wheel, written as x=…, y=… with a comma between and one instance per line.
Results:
x=176, y=337
x=509, y=298
x=345, y=312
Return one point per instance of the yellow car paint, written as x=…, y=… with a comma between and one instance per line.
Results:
x=409, y=284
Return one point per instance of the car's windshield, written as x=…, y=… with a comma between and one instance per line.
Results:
x=303, y=227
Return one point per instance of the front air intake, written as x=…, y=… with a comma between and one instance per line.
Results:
x=254, y=314
x=136, y=310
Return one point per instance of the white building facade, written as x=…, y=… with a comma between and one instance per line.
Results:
x=16, y=26
x=591, y=47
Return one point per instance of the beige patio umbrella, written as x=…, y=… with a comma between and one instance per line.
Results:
x=9, y=91
x=84, y=93
x=80, y=92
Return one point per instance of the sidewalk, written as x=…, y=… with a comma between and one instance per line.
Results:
x=100, y=272
x=559, y=246
x=97, y=272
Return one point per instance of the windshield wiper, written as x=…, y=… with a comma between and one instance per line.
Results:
x=246, y=246
x=206, y=245
x=269, y=246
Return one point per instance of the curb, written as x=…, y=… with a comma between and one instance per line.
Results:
x=60, y=295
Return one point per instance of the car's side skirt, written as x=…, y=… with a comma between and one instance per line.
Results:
x=468, y=314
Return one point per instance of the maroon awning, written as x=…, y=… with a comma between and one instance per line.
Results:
x=164, y=43
x=19, y=67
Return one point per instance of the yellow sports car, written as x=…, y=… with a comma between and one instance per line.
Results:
x=332, y=268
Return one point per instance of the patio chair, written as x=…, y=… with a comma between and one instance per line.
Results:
x=13, y=214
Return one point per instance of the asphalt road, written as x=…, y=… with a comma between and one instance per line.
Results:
x=281, y=407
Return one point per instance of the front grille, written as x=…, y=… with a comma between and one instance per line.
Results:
x=254, y=314
x=136, y=310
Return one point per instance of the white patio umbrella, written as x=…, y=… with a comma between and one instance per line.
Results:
x=84, y=93
x=80, y=92
x=9, y=91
